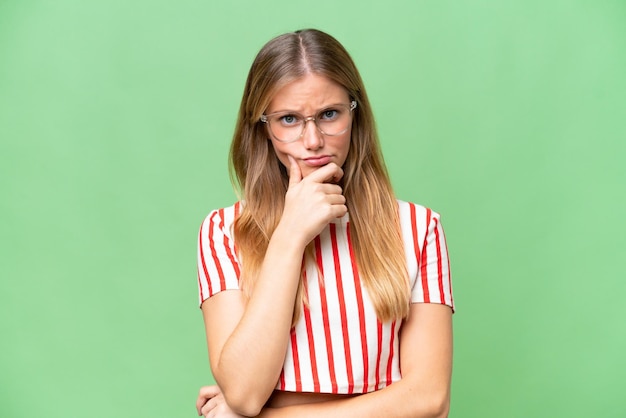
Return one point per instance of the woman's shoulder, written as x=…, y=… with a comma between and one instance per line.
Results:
x=416, y=217
x=225, y=216
x=414, y=210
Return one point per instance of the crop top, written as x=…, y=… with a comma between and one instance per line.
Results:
x=338, y=345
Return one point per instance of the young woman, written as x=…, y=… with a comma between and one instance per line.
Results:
x=321, y=293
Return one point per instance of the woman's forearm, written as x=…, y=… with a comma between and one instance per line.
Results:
x=401, y=399
x=252, y=357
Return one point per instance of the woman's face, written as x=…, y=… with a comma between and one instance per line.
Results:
x=307, y=96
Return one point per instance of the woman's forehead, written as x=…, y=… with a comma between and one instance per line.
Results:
x=308, y=94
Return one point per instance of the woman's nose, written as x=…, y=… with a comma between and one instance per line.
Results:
x=312, y=137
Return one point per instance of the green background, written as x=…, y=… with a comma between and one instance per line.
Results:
x=507, y=117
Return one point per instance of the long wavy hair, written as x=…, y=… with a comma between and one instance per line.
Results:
x=262, y=181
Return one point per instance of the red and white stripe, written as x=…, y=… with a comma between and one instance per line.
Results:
x=427, y=255
x=218, y=267
x=338, y=345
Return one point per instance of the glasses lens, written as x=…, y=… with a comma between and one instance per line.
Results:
x=331, y=121
x=334, y=121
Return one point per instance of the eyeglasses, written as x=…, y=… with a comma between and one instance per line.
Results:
x=289, y=126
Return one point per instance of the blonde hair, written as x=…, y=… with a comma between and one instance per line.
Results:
x=262, y=180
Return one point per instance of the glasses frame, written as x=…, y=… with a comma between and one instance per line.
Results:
x=265, y=119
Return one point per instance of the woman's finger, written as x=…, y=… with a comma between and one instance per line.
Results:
x=206, y=393
x=328, y=173
x=330, y=189
x=209, y=406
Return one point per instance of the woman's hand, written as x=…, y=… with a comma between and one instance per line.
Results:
x=211, y=404
x=311, y=203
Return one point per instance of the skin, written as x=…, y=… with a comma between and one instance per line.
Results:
x=306, y=96
x=246, y=372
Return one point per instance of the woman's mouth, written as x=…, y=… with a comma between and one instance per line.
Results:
x=317, y=161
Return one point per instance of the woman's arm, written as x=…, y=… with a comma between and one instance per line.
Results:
x=423, y=391
x=247, y=340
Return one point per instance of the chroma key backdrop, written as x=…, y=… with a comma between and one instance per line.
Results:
x=506, y=117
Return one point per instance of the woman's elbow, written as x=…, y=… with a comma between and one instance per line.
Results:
x=430, y=403
x=244, y=401
x=243, y=394
x=440, y=405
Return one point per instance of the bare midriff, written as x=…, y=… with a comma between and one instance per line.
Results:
x=280, y=398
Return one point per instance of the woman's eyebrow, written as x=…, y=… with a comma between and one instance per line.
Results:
x=319, y=109
x=285, y=111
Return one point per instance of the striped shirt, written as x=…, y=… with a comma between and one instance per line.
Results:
x=338, y=345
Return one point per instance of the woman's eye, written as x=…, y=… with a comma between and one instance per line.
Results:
x=329, y=114
x=289, y=119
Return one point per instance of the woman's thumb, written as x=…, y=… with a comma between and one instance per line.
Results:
x=295, y=174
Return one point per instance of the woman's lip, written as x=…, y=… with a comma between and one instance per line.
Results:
x=317, y=161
